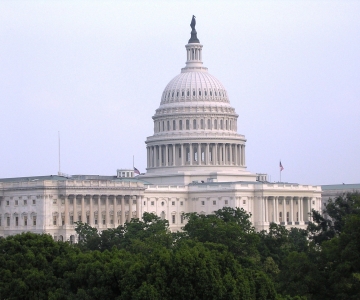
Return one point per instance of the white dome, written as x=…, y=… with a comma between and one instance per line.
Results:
x=194, y=86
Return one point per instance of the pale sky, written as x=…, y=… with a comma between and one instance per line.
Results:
x=95, y=71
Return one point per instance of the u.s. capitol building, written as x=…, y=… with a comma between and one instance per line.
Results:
x=195, y=163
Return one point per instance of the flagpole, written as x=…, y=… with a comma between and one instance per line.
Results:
x=133, y=162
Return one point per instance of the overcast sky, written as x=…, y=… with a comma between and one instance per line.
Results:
x=95, y=71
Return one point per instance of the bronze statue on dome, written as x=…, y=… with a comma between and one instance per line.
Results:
x=193, y=38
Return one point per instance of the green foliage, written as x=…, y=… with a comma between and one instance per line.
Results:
x=217, y=256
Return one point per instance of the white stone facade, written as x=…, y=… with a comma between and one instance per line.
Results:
x=195, y=163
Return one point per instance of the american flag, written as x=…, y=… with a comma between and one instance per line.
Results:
x=281, y=167
x=136, y=171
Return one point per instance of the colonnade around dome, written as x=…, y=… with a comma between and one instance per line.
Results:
x=195, y=154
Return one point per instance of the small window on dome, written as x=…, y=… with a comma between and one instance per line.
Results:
x=205, y=93
x=210, y=93
x=188, y=93
x=182, y=93
x=193, y=93
x=199, y=93
x=172, y=94
x=215, y=93
x=169, y=95
x=177, y=94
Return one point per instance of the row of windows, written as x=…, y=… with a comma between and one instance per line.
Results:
x=16, y=221
x=152, y=203
x=214, y=202
x=167, y=95
x=195, y=124
x=24, y=202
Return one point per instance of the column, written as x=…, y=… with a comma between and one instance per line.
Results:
x=240, y=155
x=300, y=210
x=138, y=202
x=166, y=155
x=266, y=209
x=66, y=210
x=91, y=216
x=230, y=158
x=284, y=210
x=199, y=154
x=182, y=154
x=75, y=210
x=130, y=208
x=236, y=154
x=309, y=208
x=154, y=156
x=223, y=155
x=274, y=210
x=216, y=154
x=191, y=154
x=173, y=154
x=292, y=210
x=122, y=210
x=106, y=210
x=207, y=156
x=83, y=212
x=160, y=155
x=115, y=212
x=244, y=155
x=99, y=210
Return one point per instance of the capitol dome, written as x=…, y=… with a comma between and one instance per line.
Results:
x=191, y=86
x=195, y=125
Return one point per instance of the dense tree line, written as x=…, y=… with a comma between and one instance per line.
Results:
x=218, y=256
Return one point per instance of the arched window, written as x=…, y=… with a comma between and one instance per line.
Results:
x=226, y=124
x=168, y=125
x=202, y=124
x=205, y=93
x=177, y=94
x=188, y=93
x=221, y=124
x=208, y=125
x=194, y=124
x=182, y=94
x=174, y=125
x=163, y=125
x=215, y=124
x=230, y=125
x=210, y=93
x=187, y=124
x=180, y=125
x=280, y=216
x=194, y=93
x=199, y=93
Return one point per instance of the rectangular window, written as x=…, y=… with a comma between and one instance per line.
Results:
x=62, y=201
x=95, y=221
x=54, y=201
x=62, y=220
x=144, y=203
x=152, y=203
x=54, y=220
x=87, y=219
x=313, y=202
x=8, y=221
x=244, y=201
x=173, y=203
x=103, y=220
x=34, y=201
x=16, y=202
x=214, y=202
x=25, y=202
x=79, y=218
x=287, y=217
x=34, y=220
x=25, y=221
x=173, y=219
x=202, y=202
x=71, y=220
x=7, y=202
x=182, y=219
x=226, y=201
x=181, y=203
x=111, y=220
x=16, y=221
